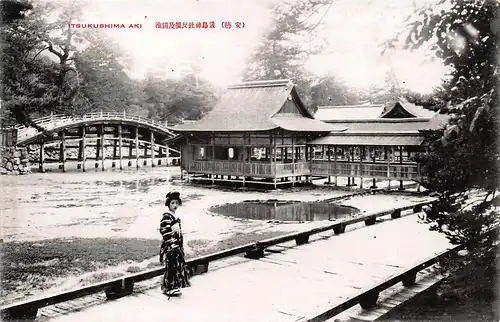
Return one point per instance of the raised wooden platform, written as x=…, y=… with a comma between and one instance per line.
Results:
x=289, y=283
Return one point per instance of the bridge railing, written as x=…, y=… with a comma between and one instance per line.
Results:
x=123, y=286
x=368, y=298
x=57, y=118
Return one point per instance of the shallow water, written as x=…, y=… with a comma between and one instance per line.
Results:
x=50, y=205
x=280, y=210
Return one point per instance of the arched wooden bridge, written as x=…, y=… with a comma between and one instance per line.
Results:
x=103, y=137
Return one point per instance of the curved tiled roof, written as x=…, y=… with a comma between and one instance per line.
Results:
x=371, y=111
x=409, y=108
x=251, y=106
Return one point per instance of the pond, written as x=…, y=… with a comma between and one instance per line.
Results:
x=284, y=210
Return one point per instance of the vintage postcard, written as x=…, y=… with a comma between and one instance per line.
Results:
x=249, y=160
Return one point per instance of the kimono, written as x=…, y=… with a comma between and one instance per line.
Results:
x=172, y=254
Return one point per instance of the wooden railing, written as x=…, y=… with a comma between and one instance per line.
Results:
x=368, y=298
x=123, y=286
x=56, y=120
x=397, y=171
x=404, y=171
x=300, y=168
x=238, y=168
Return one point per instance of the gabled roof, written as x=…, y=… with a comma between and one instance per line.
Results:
x=394, y=109
x=252, y=106
x=404, y=109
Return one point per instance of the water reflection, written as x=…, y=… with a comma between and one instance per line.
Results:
x=285, y=210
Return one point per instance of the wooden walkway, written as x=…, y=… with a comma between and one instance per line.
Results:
x=288, y=284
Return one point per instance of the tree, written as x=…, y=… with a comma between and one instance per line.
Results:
x=286, y=46
x=37, y=63
x=104, y=83
x=391, y=90
x=465, y=156
x=13, y=10
x=466, y=41
x=331, y=91
x=174, y=100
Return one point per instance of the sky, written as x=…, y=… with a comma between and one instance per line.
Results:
x=353, y=28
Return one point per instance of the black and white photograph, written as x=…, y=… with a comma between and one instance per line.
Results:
x=249, y=160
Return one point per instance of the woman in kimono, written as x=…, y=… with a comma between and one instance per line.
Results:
x=172, y=248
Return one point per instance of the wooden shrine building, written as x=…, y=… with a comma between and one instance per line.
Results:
x=379, y=143
x=261, y=132
x=257, y=132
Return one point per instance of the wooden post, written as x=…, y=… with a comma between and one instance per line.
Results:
x=293, y=160
x=120, y=145
x=361, y=152
x=348, y=154
x=335, y=164
x=374, y=186
x=152, y=149
x=244, y=157
x=137, y=147
x=145, y=154
x=97, y=151
x=401, y=187
x=353, y=182
x=418, y=177
x=80, y=151
x=115, y=145
x=84, y=148
x=251, y=154
x=328, y=158
x=167, y=153
x=42, y=156
x=213, y=156
x=63, y=150
x=273, y=155
x=130, y=151
x=312, y=156
x=387, y=157
x=103, y=157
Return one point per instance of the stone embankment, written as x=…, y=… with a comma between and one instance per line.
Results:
x=14, y=161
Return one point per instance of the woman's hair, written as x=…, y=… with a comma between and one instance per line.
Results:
x=173, y=195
